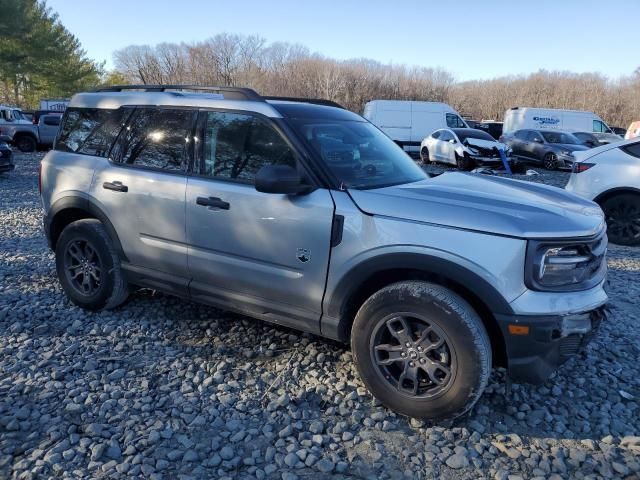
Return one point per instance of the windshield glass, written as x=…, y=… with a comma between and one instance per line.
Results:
x=358, y=154
x=479, y=134
x=560, y=137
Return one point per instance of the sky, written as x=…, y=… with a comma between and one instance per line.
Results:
x=477, y=39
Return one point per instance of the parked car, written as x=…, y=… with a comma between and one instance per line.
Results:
x=610, y=176
x=408, y=122
x=633, y=131
x=621, y=132
x=6, y=158
x=17, y=130
x=466, y=148
x=304, y=214
x=34, y=115
x=550, y=148
x=492, y=128
x=519, y=118
x=472, y=123
x=48, y=126
x=587, y=139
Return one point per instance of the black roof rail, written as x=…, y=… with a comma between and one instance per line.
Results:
x=232, y=93
x=315, y=101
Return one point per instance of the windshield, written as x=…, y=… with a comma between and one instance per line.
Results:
x=560, y=137
x=480, y=135
x=358, y=154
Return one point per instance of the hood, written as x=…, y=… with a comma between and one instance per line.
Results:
x=488, y=204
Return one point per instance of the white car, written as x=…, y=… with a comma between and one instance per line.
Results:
x=610, y=176
x=464, y=147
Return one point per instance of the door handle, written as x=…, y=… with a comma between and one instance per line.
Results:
x=115, y=186
x=213, y=203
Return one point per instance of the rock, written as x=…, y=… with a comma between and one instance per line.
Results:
x=457, y=461
x=97, y=450
x=325, y=465
x=227, y=453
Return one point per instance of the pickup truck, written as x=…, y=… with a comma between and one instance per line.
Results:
x=17, y=130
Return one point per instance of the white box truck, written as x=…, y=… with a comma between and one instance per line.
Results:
x=54, y=104
x=518, y=118
x=408, y=122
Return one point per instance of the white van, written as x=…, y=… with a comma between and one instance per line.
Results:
x=408, y=122
x=517, y=118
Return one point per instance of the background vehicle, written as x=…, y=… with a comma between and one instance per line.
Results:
x=48, y=126
x=587, y=139
x=54, y=104
x=633, y=131
x=16, y=129
x=518, y=118
x=6, y=158
x=34, y=115
x=491, y=127
x=610, y=176
x=619, y=131
x=464, y=147
x=424, y=276
x=408, y=122
x=551, y=149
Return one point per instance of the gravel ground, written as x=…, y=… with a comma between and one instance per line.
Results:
x=165, y=388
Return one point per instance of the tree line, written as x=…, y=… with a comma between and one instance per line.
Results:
x=39, y=57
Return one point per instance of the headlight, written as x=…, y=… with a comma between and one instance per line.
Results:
x=566, y=266
x=473, y=151
x=567, y=153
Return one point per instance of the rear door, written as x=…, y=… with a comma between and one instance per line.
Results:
x=265, y=254
x=142, y=189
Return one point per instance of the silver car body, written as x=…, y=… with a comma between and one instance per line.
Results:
x=273, y=256
x=614, y=170
x=445, y=150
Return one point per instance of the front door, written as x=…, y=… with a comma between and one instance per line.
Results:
x=263, y=254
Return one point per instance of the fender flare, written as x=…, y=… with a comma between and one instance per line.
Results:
x=614, y=191
x=338, y=304
x=87, y=205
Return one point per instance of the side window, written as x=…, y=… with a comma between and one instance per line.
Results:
x=445, y=136
x=90, y=131
x=237, y=145
x=454, y=121
x=600, y=127
x=53, y=121
x=436, y=134
x=521, y=134
x=157, y=138
x=534, y=137
x=633, y=149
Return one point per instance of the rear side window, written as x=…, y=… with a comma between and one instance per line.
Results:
x=90, y=131
x=435, y=134
x=156, y=138
x=237, y=145
x=633, y=149
x=53, y=121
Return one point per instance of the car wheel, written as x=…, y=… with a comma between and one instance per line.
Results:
x=463, y=163
x=622, y=214
x=26, y=143
x=424, y=155
x=550, y=161
x=421, y=350
x=88, y=266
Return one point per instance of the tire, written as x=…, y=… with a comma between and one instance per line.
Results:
x=550, y=161
x=463, y=163
x=26, y=143
x=465, y=350
x=97, y=283
x=622, y=214
x=424, y=155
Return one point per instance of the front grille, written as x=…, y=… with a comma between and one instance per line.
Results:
x=570, y=345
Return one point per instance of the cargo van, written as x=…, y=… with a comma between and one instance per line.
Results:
x=408, y=122
x=518, y=118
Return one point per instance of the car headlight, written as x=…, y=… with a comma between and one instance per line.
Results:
x=473, y=151
x=567, y=153
x=566, y=266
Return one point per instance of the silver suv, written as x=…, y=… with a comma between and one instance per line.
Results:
x=301, y=213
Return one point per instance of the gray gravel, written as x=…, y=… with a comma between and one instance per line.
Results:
x=165, y=388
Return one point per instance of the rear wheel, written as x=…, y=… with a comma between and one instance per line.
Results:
x=421, y=350
x=622, y=214
x=550, y=161
x=26, y=143
x=88, y=266
x=424, y=155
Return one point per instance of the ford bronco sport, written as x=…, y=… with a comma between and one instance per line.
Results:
x=301, y=213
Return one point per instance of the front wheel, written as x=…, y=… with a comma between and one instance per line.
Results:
x=424, y=155
x=421, y=350
x=88, y=266
x=462, y=162
x=622, y=214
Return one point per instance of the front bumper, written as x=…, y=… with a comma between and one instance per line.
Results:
x=551, y=341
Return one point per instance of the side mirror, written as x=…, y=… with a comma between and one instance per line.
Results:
x=452, y=140
x=280, y=179
x=537, y=140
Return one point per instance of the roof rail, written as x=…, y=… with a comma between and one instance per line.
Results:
x=315, y=101
x=233, y=93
